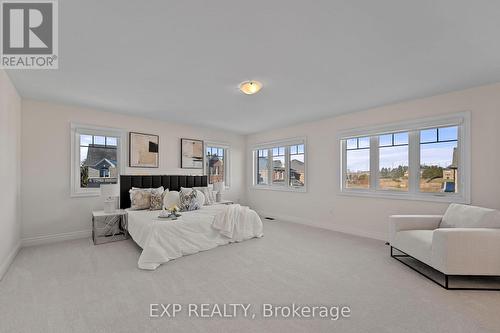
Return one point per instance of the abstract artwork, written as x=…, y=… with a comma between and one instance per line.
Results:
x=143, y=151
x=191, y=154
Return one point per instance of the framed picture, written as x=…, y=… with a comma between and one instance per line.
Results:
x=191, y=154
x=143, y=150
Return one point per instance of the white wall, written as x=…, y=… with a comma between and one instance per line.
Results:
x=49, y=213
x=323, y=206
x=10, y=174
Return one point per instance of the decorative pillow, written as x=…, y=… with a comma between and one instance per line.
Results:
x=209, y=197
x=140, y=198
x=157, y=198
x=170, y=199
x=201, y=198
x=188, y=199
x=199, y=194
x=464, y=216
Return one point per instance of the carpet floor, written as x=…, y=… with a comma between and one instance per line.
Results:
x=75, y=286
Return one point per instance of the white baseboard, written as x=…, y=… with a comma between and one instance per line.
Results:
x=4, y=266
x=352, y=231
x=48, y=239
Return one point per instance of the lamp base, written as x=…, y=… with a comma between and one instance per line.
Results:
x=218, y=197
x=109, y=206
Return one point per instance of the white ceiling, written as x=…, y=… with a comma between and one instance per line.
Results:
x=183, y=60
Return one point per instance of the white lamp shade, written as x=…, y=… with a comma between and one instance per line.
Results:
x=218, y=187
x=110, y=190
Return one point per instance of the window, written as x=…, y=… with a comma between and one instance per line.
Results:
x=297, y=166
x=281, y=165
x=278, y=166
x=262, y=167
x=216, y=159
x=439, y=160
x=358, y=163
x=393, y=161
x=426, y=160
x=95, y=159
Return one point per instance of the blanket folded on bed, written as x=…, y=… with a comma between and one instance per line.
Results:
x=225, y=221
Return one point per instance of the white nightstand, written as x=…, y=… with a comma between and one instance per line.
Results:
x=109, y=227
x=225, y=202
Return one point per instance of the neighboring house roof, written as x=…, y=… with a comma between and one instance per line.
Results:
x=297, y=166
x=214, y=160
x=98, y=153
x=105, y=163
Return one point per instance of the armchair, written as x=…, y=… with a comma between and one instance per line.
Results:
x=465, y=241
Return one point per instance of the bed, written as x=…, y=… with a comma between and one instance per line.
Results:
x=200, y=230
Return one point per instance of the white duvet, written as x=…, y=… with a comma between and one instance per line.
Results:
x=200, y=230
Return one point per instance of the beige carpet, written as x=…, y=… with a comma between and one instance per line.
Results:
x=77, y=287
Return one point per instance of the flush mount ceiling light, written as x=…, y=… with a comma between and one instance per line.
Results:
x=250, y=87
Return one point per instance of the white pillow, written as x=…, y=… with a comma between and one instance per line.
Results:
x=464, y=216
x=209, y=197
x=201, y=198
x=171, y=198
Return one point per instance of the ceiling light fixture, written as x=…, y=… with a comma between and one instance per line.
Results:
x=250, y=87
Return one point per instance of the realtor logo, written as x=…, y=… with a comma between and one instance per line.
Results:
x=29, y=35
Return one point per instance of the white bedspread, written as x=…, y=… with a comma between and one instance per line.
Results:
x=163, y=240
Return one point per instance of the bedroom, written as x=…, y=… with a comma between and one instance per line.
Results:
x=359, y=114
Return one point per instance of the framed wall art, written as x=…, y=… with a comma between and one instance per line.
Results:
x=191, y=154
x=144, y=150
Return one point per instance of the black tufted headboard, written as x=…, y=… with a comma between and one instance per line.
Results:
x=173, y=183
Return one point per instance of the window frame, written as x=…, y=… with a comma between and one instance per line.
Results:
x=461, y=120
x=82, y=129
x=269, y=147
x=227, y=161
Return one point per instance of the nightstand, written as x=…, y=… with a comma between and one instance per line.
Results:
x=225, y=202
x=109, y=227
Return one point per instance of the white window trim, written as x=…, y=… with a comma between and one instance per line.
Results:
x=462, y=119
x=77, y=129
x=269, y=145
x=227, y=161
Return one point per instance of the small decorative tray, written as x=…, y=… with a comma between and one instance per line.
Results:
x=168, y=216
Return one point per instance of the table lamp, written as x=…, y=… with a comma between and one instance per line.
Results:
x=109, y=193
x=219, y=188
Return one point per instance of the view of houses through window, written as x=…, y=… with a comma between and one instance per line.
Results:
x=297, y=166
x=98, y=160
x=279, y=170
x=438, y=160
x=282, y=166
x=216, y=168
x=262, y=167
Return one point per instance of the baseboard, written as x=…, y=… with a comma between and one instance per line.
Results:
x=4, y=266
x=48, y=239
x=351, y=231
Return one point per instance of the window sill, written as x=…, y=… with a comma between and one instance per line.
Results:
x=85, y=194
x=406, y=196
x=279, y=188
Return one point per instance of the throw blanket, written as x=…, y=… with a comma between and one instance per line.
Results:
x=226, y=220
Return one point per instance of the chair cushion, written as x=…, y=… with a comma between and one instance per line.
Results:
x=463, y=216
x=416, y=243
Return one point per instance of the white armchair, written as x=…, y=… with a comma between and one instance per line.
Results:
x=463, y=242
